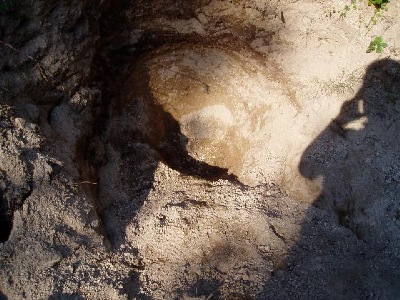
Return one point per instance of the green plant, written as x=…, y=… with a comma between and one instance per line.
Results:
x=343, y=12
x=379, y=4
x=377, y=45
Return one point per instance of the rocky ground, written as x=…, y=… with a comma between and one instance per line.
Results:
x=203, y=149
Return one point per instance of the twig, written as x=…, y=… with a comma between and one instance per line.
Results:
x=85, y=182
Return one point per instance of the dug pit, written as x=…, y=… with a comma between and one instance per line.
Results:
x=224, y=104
x=204, y=111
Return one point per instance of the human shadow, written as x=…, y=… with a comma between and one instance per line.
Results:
x=2, y=296
x=351, y=234
x=141, y=133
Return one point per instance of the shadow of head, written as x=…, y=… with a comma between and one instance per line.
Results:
x=380, y=90
x=376, y=102
x=358, y=200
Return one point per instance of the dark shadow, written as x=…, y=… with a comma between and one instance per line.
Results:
x=205, y=288
x=13, y=195
x=6, y=217
x=2, y=296
x=66, y=296
x=132, y=287
x=351, y=234
x=210, y=288
x=357, y=163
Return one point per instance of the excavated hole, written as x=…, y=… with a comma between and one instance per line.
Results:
x=197, y=109
x=198, y=105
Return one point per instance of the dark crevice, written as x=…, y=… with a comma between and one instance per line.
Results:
x=278, y=235
x=102, y=75
x=345, y=218
x=88, y=173
x=132, y=287
x=13, y=197
x=9, y=203
x=5, y=225
x=187, y=203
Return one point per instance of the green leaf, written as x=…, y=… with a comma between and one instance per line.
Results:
x=376, y=45
x=379, y=3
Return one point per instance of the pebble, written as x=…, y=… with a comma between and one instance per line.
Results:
x=23, y=124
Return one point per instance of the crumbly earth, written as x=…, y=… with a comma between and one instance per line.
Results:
x=205, y=149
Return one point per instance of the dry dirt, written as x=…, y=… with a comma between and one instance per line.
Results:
x=204, y=149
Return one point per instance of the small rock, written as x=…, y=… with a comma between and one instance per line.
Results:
x=246, y=277
x=83, y=98
x=202, y=18
x=23, y=124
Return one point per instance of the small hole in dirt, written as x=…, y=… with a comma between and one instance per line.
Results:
x=5, y=225
x=6, y=217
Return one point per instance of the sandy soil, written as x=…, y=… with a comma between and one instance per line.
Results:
x=202, y=149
